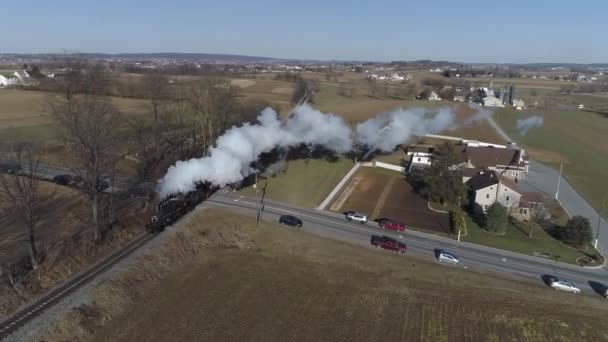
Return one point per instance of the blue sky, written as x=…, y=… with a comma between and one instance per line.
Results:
x=467, y=31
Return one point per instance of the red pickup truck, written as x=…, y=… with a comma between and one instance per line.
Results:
x=391, y=225
x=388, y=243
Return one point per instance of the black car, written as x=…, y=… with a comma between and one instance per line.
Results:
x=68, y=180
x=290, y=221
x=10, y=167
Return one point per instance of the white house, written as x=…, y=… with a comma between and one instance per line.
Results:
x=396, y=77
x=21, y=74
x=3, y=81
x=419, y=156
x=489, y=187
x=434, y=97
x=519, y=104
x=491, y=101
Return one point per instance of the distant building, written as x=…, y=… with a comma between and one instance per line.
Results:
x=21, y=74
x=419, y=156
x=434, y=97
x=519, y=104
x=459, y=98
x=3, y=81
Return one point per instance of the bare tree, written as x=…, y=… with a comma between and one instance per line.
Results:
x=213, y=102
x=22, y=201
x=157, y=93
x=90, y=124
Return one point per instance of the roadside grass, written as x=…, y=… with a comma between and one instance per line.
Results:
x=304, y=182
x=516, y=239
x=576, y=138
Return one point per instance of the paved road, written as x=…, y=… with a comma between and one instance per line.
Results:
x=47, y=172
x=544, y=179
x=472, y=256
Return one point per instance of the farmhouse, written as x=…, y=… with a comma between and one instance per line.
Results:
x=3, y=81
x=489, y=187
x=512, y=163
x=434, y=97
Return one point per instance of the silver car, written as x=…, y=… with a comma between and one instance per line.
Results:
x=357, y=217
x=447, y=257
x=564, y=285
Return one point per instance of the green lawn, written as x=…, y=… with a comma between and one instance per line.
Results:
x=517, y=240
x=578, y=139
x=305, y=182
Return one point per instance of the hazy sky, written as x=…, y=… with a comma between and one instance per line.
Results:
x=467, y=31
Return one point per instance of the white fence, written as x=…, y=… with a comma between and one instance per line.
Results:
x=388, y=166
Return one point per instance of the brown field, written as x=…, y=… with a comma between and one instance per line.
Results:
x=29, y=108
x=385, y=194
x=285, y=285
x=56, y=226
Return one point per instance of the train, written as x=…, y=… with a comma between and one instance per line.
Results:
x=172, y=208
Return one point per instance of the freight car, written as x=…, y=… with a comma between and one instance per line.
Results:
x=172, y=208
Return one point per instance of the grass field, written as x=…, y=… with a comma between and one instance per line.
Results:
x=382, y=193
x=304, y=182
x=287, y=285
x=516, y=239
x=578, y=139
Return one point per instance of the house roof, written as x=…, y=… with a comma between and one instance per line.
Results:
x=471, y=172
x=508, y=182
x=488, y=178
x=533, y=196
x=483, y=180
x=419, y=148
x=482, y=157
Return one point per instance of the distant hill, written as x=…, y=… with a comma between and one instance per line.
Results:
x=195, y=57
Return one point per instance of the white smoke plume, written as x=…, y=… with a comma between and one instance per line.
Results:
x=229, y=160
x=524, y=125
x=388, y=130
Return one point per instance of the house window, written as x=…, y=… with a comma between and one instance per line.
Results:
x=521, y=211
x=419, y=159
x=487, y=196
x=485, y=207
x=507, y=198
x=525, y=211
x=513, y=173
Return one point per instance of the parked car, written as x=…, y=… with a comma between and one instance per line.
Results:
x=10, y=167
x=357, y=217
x=68, y=180
x=290, y=221
x=450, y=258
x=564, y=285
x=391, y=225
x=388, y=243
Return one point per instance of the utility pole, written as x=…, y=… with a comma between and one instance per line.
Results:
x=599, y=222
x=561, y=168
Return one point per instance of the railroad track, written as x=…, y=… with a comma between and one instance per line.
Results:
x=25, y=315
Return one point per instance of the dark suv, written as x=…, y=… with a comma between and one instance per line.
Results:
x=68, y=180
x=10, y=167
x=290, y=221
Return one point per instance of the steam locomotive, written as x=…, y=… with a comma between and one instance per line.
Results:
x=174, y=207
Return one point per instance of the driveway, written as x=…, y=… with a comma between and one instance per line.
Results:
x=544, y=179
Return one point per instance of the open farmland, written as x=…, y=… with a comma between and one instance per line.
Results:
x=385, y=194
x=24, y=113
x=576, y=138
x=290, y=286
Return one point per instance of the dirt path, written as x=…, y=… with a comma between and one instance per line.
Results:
x=383, y=197
x=338, y=203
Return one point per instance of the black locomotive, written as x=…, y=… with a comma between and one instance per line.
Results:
x=175, y=206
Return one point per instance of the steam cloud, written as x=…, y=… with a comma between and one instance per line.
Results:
x=524, y=125
x=388, y=130
x=229, y=160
